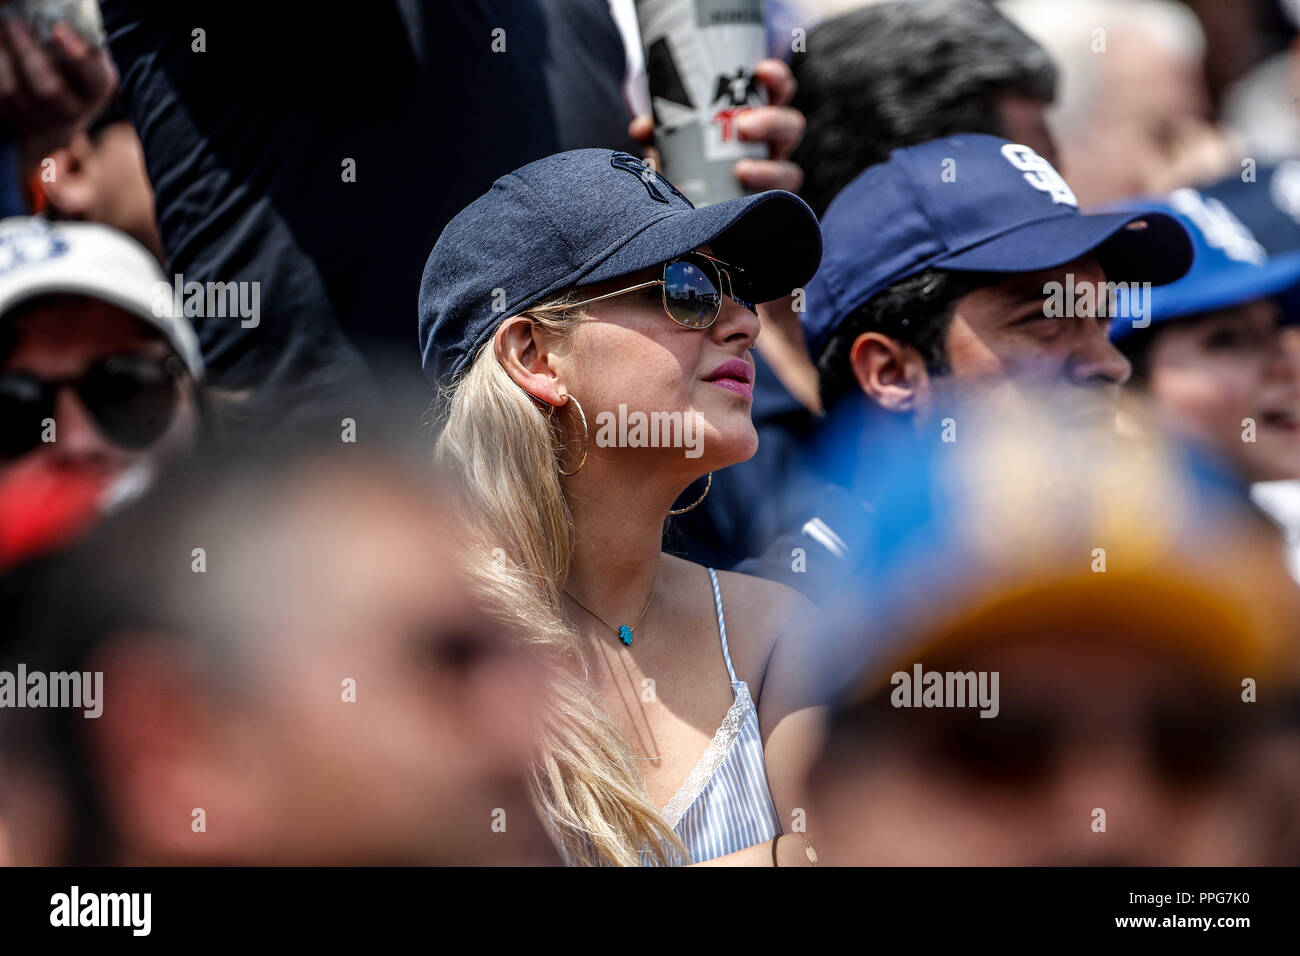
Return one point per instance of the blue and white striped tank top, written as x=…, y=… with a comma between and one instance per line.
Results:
x=725, y=805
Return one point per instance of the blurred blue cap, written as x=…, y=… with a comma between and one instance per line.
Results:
x=1230, y=267
x=1268, y=203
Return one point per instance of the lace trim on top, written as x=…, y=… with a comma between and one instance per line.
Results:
x=712, y=757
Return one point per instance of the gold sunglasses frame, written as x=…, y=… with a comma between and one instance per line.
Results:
x=721, y=270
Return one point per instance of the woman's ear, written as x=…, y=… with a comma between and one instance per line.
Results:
x=524, y=351
x=889, y=372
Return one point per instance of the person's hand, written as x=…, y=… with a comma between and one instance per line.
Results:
x=49, y=94
x=778, y=125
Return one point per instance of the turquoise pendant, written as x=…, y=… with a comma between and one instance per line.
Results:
x=625, y=634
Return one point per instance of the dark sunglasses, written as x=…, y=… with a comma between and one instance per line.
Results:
x=131, y=398
x=692, y=288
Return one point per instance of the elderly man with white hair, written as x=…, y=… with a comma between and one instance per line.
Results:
x=1132, y=113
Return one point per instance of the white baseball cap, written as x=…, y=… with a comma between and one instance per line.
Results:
x=39, y=257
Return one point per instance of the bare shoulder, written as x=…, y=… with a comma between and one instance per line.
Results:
x=763, y=611
x=763, y=597
x=757, y=612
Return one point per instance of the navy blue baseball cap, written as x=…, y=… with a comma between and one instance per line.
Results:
x=583, y=217
x=972, y=203
x=1231, y=267
x=1267, y=203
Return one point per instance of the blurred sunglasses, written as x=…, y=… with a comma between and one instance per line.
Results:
x=693, y=286
x=131, y=398
x=1184, y=747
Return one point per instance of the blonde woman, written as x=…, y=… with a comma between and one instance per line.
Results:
x=578, y=306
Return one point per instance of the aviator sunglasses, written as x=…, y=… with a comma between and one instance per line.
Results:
x=692, y=289
x=131, y=398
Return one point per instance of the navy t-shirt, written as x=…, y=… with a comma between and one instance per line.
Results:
x=246, y=142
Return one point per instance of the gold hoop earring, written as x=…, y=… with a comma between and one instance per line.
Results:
x=695, y=504
x=585, y=438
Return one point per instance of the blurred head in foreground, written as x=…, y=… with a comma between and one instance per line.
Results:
x=293, y=673
x=1076, y=662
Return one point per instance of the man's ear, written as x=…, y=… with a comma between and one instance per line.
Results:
x=524, y=351
x=890, y=373
x=70, y=189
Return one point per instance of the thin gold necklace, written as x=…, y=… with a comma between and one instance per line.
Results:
x=623, y=631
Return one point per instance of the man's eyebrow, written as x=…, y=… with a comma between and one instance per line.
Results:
x=1024, y=288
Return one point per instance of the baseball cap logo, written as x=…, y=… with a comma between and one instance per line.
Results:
x=648, y=177
x=1222, y=230
x=28, y=244
x=1040, y=174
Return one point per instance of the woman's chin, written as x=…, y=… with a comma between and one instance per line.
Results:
x=729, y=447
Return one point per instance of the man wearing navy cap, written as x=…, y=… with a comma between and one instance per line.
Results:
x=937, y=270
x=936, y=287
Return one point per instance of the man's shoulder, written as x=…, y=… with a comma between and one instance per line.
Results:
x=822, y=548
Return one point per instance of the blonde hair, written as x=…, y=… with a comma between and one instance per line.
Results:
x=496, y=439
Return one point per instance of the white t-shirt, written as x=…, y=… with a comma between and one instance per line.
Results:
x=1281, y=501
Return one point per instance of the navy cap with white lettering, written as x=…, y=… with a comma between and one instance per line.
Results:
x=972, y=203
x=583, y=217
